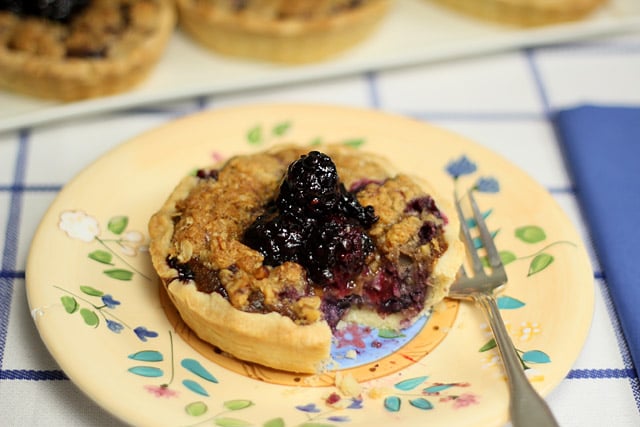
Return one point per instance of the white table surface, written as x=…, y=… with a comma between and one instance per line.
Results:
x=502, y=100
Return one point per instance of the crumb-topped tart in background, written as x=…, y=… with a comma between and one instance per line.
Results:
x=267, y=254
x=71, y=50
x=289, y=31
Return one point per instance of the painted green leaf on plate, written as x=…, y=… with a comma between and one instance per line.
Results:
x=118, y=224
x=147, y=356
x=231, y=422
x=509, y=303
x=69, y=303
x=477, y=242
x=236, y=405
x=281, y=128
x=488, y=346
x=90, y=317
x=254, y=136
x=101, y=256
x=316, y=141
x=539, y=263
x=196, y=409
x=146, y=371
x=530, y=234
x=421, y=403
x=195, y=387
x=506, y=257
x=411, y=383
x=390, y=333
x=437, y=388
x=276, y=422
x=471, y=222
x=91, y=291
x=195, y=367
x=119, y=274
x=536, y=356
x=354, y=143
x=392, y=403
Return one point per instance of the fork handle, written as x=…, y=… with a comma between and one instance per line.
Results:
x=527, y=408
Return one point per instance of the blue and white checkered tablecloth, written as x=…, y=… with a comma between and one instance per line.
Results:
x=503, y=101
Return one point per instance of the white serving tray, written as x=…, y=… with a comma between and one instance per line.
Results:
x=416, y=31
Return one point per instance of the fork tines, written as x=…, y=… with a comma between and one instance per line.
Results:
x=485, y=237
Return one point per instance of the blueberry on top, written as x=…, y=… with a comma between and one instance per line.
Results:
x=315, y=222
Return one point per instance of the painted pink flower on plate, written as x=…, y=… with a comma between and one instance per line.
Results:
x=161, y=391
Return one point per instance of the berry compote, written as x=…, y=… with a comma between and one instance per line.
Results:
x=315, y=222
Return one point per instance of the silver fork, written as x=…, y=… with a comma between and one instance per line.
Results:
x=526, y=408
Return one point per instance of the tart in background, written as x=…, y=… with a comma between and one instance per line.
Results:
x=287, y=31
x=98, y=48
x=525, y=13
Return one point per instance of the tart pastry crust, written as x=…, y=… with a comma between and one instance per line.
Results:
x=286, y=327
x=288, y=31
x=108, y=47
x=525, y=13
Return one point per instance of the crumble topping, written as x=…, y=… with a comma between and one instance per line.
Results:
x=373, y=246
x=97, y=29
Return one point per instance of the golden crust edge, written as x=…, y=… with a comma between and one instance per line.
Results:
x=214, y=320
x=524, y=13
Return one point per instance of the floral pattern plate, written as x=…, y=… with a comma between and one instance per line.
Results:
x=98, y=307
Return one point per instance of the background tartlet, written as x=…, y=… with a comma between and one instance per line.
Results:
x=104, y=48
x=289, y=31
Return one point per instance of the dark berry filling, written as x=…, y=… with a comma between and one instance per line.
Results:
x=89, y=33
x=184, y=271
x=57, y=10
x=426, y=205
x=337, y=252
x=362, y=183
x=334, y=309
x=208, y=174
x=316, y=223
x=206, y=279
x=397, y=288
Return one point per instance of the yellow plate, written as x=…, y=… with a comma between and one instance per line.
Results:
x=96, y=305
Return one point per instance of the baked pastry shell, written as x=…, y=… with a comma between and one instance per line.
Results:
x=271, y=339
x=286, y=41
x=72, y=79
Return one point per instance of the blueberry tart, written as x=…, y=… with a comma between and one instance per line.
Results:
x=78, y=49
x=288, y=31
x=266, y=255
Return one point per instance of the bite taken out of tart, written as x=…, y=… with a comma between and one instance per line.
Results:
x=73, y=50
x=266, y=255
